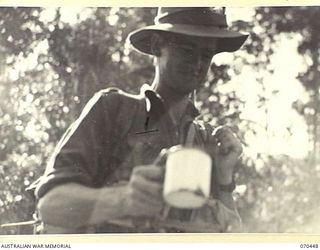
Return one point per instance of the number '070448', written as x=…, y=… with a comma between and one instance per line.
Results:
x=309, y=246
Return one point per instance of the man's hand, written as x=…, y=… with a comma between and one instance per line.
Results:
x=227, y=149
x=143, y=193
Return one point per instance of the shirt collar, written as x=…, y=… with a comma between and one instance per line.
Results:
x=155, y=105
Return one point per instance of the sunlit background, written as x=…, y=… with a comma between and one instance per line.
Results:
x=52, y=60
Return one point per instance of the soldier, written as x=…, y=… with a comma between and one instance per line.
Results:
x=103, y=174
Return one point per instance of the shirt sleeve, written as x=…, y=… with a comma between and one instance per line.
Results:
x=81, y=156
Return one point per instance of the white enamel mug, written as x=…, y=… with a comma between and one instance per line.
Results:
x=187, y=177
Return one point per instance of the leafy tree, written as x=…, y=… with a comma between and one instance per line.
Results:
x=50, y=68
x=281, y=193
x=39, y=102
x=304, y=22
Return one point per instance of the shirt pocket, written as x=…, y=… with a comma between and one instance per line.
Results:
x=146, y=146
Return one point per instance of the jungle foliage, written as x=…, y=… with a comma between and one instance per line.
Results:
x=49, y=68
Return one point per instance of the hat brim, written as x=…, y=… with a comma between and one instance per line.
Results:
x=228, y=40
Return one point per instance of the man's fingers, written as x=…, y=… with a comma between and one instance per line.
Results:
x=225, y=147
x=146, y=196
x=151, y=172
x=143, y=185
x=142, y=205
x=222, y=131
x=219, y=130
x=226, y=141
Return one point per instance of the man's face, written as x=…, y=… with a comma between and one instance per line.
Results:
x=184, y=62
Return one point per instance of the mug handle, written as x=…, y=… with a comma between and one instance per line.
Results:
x=161, y=158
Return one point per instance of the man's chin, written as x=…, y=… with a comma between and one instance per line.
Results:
x=188, y=88
x=184, y=90
x=184, y=87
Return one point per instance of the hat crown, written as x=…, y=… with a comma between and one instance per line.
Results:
x=192, y=16
x=204, y=22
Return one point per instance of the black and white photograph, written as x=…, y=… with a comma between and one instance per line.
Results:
x=121, y=120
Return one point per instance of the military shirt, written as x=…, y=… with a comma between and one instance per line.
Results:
x=115, y=132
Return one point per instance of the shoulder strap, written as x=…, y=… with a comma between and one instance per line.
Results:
x=126, y=109
x=190, y=135
x=198, y=133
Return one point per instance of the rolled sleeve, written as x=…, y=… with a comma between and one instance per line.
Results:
x=81, y=156
x=58, y=177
